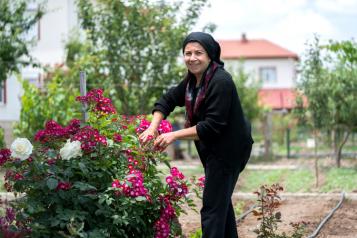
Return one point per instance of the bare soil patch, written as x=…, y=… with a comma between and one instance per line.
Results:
x=343, y=224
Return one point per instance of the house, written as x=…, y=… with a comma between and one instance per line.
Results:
x=271, y=64
x=50, y=32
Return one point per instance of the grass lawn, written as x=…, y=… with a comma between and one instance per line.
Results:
x=338, y=179
x=300, y=180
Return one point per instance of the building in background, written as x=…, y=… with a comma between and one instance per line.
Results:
x=272, y=65
x=50, y=34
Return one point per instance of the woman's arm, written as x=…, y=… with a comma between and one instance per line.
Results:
x=186, y=134
x=162, y=108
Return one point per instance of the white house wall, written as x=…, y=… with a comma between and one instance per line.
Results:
x=285, y=69
x=13, y=89
x=55, y=27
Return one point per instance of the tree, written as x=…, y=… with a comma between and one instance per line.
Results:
x=329, y=81
x=343, y=99
x=15, y=22
x=139, y=43
x=248, y=94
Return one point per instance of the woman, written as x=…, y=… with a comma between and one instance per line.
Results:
x=215, y=121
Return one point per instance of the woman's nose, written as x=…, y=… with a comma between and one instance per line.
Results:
x=193, y=57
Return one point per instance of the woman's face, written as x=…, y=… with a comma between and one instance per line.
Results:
x=196, y=59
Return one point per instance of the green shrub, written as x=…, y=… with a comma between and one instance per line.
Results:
x=92, y=179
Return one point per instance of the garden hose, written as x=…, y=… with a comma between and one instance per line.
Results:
x=241, y=217
x=322, y=223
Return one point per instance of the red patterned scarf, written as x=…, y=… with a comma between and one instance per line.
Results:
x=201, y=94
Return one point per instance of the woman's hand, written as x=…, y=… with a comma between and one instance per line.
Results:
x=151, y=132
x=147, y=135
x=163, y=140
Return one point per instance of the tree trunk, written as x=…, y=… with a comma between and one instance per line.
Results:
x=339, y=151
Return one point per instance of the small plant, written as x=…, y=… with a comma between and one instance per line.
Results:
x=266, y=211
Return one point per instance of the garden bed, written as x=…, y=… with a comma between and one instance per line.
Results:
x=309, y=209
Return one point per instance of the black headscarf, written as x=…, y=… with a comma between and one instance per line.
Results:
x=208, y=43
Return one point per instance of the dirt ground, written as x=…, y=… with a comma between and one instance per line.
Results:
x=312, y=209
x=343, y=224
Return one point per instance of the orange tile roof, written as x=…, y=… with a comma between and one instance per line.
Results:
x=282, y=98
x=253, y=49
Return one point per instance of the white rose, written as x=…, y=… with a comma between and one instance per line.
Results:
x=71, y=150
x=21, y=148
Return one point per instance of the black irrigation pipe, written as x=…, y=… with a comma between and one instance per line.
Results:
x=241, y=217
x=322, y=223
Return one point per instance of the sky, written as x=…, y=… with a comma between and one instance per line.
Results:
x=288, y=23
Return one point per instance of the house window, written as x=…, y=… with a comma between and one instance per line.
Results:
x=267, y=74
x=2, y=92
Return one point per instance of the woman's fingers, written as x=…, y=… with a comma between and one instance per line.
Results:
x=160, y=144
x=144, y=137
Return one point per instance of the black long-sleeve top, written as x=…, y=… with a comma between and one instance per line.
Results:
x=221, y=127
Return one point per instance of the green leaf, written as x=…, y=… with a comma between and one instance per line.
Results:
x=140, y=198
x=52, y=183
x=84, y=186
x=83, y=167
x=55, y=222
x=51, y=154
x=109, y=201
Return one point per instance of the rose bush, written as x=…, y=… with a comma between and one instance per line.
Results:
x=92, y=179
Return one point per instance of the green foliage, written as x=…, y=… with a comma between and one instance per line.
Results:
x=329, y=81
x=315, y=86
x=82, y=196
x=2, y=141
x=56, y=101
x=75, y=48
x=248, y=90
x=138, y=43
x=15, y=22
x=282, y=122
